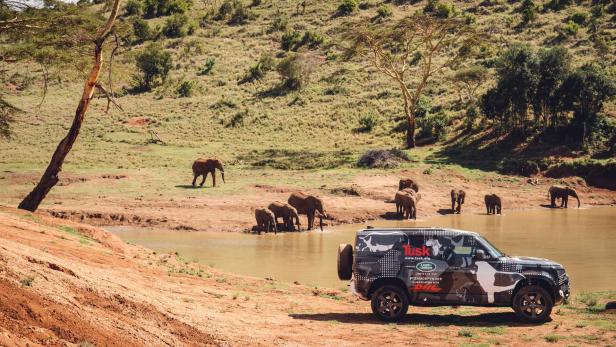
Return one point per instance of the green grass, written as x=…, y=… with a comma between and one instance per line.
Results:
x=553, y=338
x=465, y=333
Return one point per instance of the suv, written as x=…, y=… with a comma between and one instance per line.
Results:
x=435, y=267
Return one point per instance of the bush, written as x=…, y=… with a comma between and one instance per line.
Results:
x=255, y=3
x=185, y=89
x=227, y=8
x=295, y=71
x=133, y=7
x=434, y=125
x=579, y=18
x=519, y=167
x=469, y=18
x=445, y=11
x=382, y=158
x=238, y=119
x=529, y=11
x=290, y=39
x=154, y=64
x=141, y=29
x=241, y=16
x=384, y=11
x=367, y=123
x=257, y=71
x=178, y=25
x=159, y=8
x=431, y=6
x=472, y=114
x=208, y=67
x=347, y=7
x=311, y=39
x=280, y=23
x=571, y=28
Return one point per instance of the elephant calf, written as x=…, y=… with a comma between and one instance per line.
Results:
x=457, y=197
x=399, y=199
x=493, y=204
x=409, y=206
x=266, y=221
x=408, y=183
x=562, y=193
x=308, y=205
x=288, y=214
x=206, y=166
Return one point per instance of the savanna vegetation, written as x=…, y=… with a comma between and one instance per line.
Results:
x=312, y=85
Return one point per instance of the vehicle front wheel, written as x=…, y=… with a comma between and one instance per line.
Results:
x=533, y=304
x=390, y=303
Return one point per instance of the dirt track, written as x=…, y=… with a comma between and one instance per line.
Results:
x=62, y=282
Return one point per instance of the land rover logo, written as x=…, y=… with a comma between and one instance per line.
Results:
x=426, y=266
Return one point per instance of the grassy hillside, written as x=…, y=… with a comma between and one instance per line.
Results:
x=317, y=127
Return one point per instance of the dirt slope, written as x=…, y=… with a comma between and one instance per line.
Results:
x=63, y=283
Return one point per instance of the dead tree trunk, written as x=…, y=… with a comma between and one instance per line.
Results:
x=50, y=177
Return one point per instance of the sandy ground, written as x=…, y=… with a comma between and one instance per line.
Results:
x=65, y=283
x=234, y=211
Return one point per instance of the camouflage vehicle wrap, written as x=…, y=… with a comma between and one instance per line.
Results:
x=442, y=267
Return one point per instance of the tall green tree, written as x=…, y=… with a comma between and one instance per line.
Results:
x=411, y=52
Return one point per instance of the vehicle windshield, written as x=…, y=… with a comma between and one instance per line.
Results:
x=490, y=247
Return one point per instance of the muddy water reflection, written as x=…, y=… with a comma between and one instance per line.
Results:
x=583, y=240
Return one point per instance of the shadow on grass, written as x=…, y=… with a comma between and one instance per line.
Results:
x=189, y=186
x=484, y=319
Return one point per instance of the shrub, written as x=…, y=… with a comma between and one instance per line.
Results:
x=159, y=8
x=382, y=158
x=208, y=67
x=431, y=6
x=238, y=119
x=469, y=18
x=445, y=11
x=529, y=11
x=141, y=29
x=295, y=71
x=347, y=7
x=557, y=5
x=384, y=11
x=279, y=24
x=311, y=39
x=579, y=18
x=367, y=123
x=185, y=89
x=227, y=8
x=472, y=114
x=290, y=39
x=133, y=7
x=178, y=25
x=154, y=64
x=255, y=3
x=434, y=125
x=521, y=167
x=241, y=16
x=571, y=28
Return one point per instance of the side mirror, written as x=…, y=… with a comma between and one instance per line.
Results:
x=480, y=254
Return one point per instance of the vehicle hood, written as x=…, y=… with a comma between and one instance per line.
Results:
x=532, y=261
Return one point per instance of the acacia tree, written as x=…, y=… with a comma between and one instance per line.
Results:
x=50, y=176
x=411, y=52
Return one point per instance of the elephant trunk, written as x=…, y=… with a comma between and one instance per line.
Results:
x=222, y=174
x=321, y=222
x=578, y=200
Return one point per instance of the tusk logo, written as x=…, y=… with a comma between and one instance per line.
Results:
x=426, y=266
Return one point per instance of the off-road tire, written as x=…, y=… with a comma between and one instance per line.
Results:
x=345, y=261
x=390, y=303
x=533, y=304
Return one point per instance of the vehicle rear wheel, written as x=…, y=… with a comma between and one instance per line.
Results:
x=390, y=303
x=533, y=304
x=345, y=261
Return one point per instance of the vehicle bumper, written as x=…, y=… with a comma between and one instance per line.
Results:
x=562, y=293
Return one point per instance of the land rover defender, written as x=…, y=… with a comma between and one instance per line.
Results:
x=395, y=268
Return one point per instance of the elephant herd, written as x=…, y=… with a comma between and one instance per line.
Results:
x=408, y=196
x=406, y=200
x=298, y=203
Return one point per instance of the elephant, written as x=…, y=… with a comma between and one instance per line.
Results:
x=408, y=183
x=288, y=214
x=493, y=204
x=457, y=197
x=562, y=193
x=308, y=205
x=398, y=199
x=266, y=221
x=409, y=206
x=205, y=166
